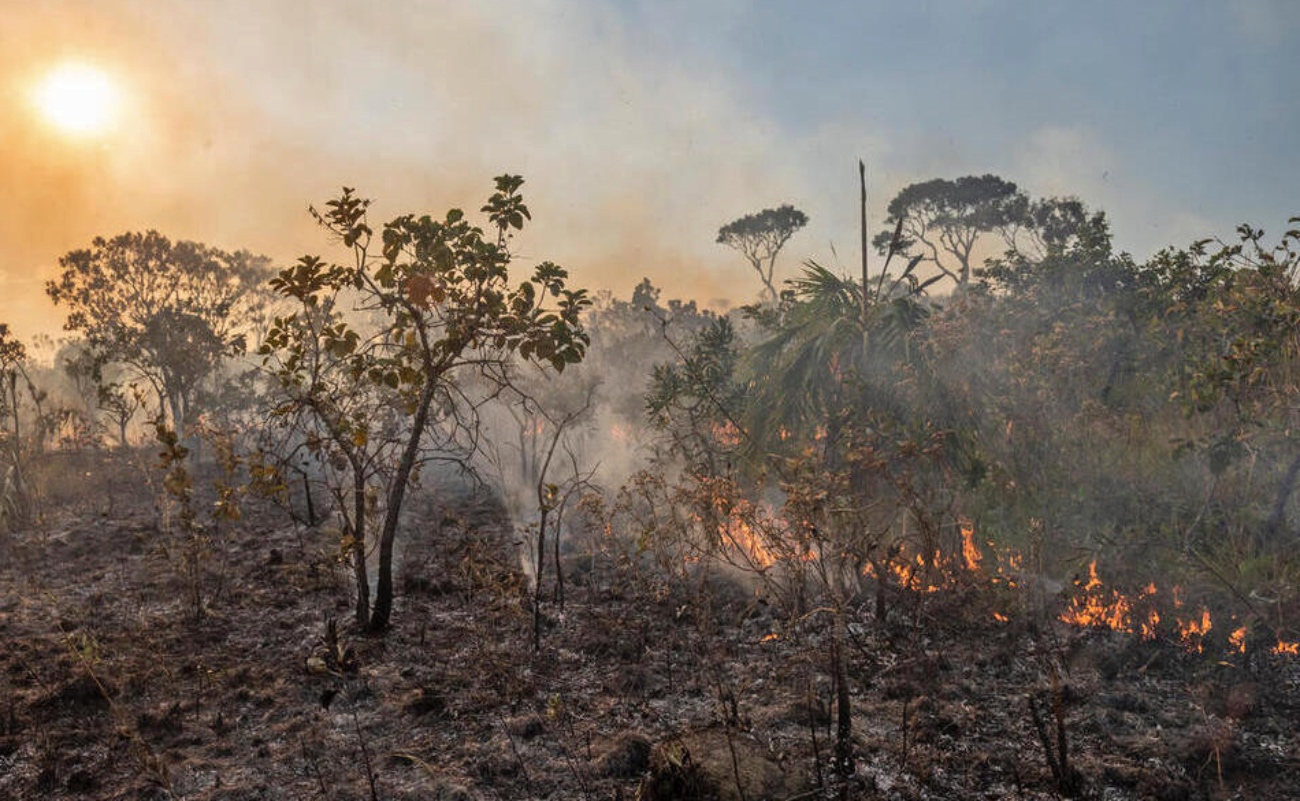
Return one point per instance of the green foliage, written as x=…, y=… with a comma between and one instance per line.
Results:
x=446, y=315
x=189, y=545
x=1068, y=402
x=694, y=400
x=835, y=344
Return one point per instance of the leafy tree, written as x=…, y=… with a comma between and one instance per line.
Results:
x=942, y=220
x=696, y=399
x=447, y=317
x=759, y=238
x=821, y=353
x=169, y=312
x=1057, y=253
x=16, y=503
x=1229, y=315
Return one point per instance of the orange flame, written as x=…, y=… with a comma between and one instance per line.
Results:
x=741, y=536
x=1096, y=609
x=1192, y=632
x=970, y=552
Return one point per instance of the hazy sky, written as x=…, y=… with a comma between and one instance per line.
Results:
x=640, y=126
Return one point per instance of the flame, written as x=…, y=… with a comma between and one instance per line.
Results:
x=970, y=552
x=740, y=535
x=916, y=575
x=1192, y=632
x=1148, y=627
x=1010, y=566
x=770, y=637
x=755, y=531
x=1097, y=609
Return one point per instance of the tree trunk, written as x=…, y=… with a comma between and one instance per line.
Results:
x=359, y=545
x=383, y=609
x=20, y=510
x=537, y=584
x=1278, y=517
x=844, y=762
x=866, y=282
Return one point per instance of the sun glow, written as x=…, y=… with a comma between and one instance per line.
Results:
x=78, y=99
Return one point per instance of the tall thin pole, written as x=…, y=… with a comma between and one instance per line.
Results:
x=862, y=179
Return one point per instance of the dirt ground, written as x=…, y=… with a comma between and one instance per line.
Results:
x=644, y=686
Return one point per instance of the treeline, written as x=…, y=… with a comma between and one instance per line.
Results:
x=1061, y=399
x=999, y=368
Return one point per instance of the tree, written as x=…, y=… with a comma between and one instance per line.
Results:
x=16, y=507
x=447, y=319
x=169, y=312
x=760, y=237
x=942, y=220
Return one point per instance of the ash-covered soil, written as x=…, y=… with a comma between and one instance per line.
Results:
x=648, y=684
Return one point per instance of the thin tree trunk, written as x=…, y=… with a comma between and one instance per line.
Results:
x=541, y=563
x=21, y=510
x=359, y=545
x=844, y=762
x=866, y=285
x=383, y=610
x=1278, y=517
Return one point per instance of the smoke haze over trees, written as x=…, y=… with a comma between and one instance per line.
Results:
x=974, y=474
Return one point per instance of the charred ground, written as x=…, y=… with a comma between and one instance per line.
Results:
x=649, y=683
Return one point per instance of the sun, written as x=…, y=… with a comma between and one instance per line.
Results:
x=78, y=99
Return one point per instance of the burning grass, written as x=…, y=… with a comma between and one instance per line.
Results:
x=758, y=537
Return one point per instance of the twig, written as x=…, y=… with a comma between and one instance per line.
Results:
x=365, y=757
x=514, y=749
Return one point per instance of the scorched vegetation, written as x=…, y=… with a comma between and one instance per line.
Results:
x=1008, y=514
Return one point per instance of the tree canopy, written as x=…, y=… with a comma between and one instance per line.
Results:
x=168, y=311
x=445, y=315
x=943, y=219
x=759, y=238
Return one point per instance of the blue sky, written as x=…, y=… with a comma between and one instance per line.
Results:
x=641, y=126
x=1192, y=100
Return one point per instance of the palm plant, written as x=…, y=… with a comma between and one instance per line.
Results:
x=833, y=338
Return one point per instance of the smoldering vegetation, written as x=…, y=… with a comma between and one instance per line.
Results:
x=998, y=512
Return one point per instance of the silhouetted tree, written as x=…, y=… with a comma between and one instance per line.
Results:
x=170, y=312
x=760, y=237
x=943, y=219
